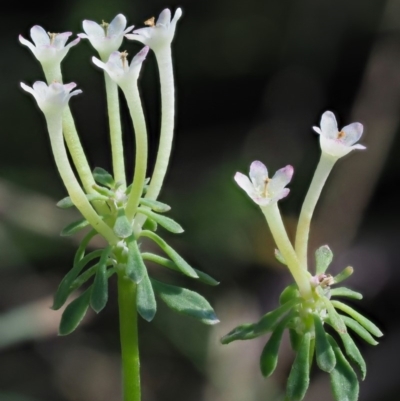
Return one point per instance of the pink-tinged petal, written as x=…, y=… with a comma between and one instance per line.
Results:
x=329, y=126
x=27, y=43
x=244, y=183
x=73, y=43
x=39, y=36
x=334, y=147
x=317, y=130
x=353, y=133
x=358, y=146
x=282, y=194
x=83, y=36
x=61, y=39
x=74, y=93
x=145, y=32
x=70, y=86
x=115, y=57
x=165, y=18
x=93, y=29
x=39, y=86
x=128, y=29
x=117, y=26
x=99, y=63
x=280, y=179
x=258, y=174
x=139, y=58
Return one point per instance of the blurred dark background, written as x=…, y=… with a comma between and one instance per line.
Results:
x=252, y=78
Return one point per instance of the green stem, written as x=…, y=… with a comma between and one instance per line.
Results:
x=324, y=167
x=78, y=197
x=117, y=147
x=274, y=220
x=129, y=338
x=139, y=123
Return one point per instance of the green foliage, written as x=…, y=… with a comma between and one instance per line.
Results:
x=325, y=356
x=122, y=226
x=157, y=206
x=163, y=221
x=99, y=297
x=145, y=299
x=323, y=258
x=74, y=227
x=135, y=267
x=103, y=177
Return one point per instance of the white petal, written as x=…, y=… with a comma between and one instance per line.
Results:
x=27, y=43
x=139, y=58
x=70, y=86
x=177, y=16
x=244, y=183
x=61, y=39
x=40, y=86
x=317, y=130
x=128, y=29
x=93, y=28
x=27, y=88
x=353, y=133
x=117, y=26
x=73, y=43
x=282, y=194
x=99, y=63
x=83, y=36
x=258, y=174
x=280, y=179
x=334, y=147
x=358, y=146
x=145, y=32
x=39, y=36
x=165, y=18
x=329, y=126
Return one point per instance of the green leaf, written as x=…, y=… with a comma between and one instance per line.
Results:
x=65, y=289
x=345, y=292
x=354, y=354
x=74, y=313
x=67, y=202
x=150, y=224
x=290, y=292
x=323, y=258
x=157, y=206
x=343, y=275
x=169, y=264
x=99, y=297
x=74, y=227
x=103, y=191
x=343, y=378
x=357, y=328
x=122, y=227
x=242, y=332
x=299, y=377
x=145, y=299
x=268, y=321
x=371, y=327
x=80, y=253
x=163, y=221
x=279, y=257
x=325, y=356
x=186, y=302
x=269, y=355
x=103, y=177
x=335, y=319
x=295, y=339
x=135, y=267
x=183, y=266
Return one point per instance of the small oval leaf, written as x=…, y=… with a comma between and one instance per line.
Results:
x=343, y=275
x=145, y=299
x=135, y=267
x=290, y=292
x=163, y=221
x=357, y=328
x=157, y=206
x=122, y=227
x=242, y=332
x=325, y=356
x=99, y=297
x=335, y=319
x=103, y=177
x=323, y=258
x=345, y=292
x=354, y=354
x=74, y=227
x=295, y=339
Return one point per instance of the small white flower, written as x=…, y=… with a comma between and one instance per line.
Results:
x=51, y=99
x=161, y=34
x=338, y=143
x=264, y=190
x=48, y=48
x=119, y=69
x=105, y=38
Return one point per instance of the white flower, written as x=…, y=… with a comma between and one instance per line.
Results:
x=161, y=34
x=338, y=143
x=119, y=69
x=105, y=38
x=48, y=48
x=51, y=99
x=264, y=190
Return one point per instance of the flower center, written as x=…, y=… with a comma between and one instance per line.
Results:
x=265, y=192
x=341, y=135
x=52, y=37
x=105, y=26
x=150, y=22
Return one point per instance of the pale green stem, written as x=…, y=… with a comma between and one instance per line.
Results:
x=139, y=124
x=129, y=338
x=117, y=147
x=275, y=223
x=164, y=61
x=78, y=197
x=303, y=227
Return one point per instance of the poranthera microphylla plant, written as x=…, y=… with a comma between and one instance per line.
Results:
x=122, y=211
x=306, y=308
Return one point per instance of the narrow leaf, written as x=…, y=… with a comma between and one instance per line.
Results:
x=345, y=292
x=343, y=378
x=74, y=313
x=343, y=275
x=103, y=177
x=242, y=332
x=357, y=328
x=354, y=354
x=299, y=378
x=122, y=227
x=186, y=302
x=269, y=355
x=135, y=267
x=323, y=258
x=183, y=266
x=169, y=264
x=157, y=206
x=150, y=224
x=268, y=321
x=80, y=253
x=145, y=299
x=99, y=297
x=295, y=339
x=325, y=356
x=371, y=327
x=290, y=292
x=66, y=203
x=74, y=227
x=335, y=319
x=279, y=257
x=163, y=221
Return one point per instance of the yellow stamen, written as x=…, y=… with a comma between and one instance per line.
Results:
x=124, y=56
x=105, y=26
x=341, y=135
x=150, y=22
x=52, y=37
